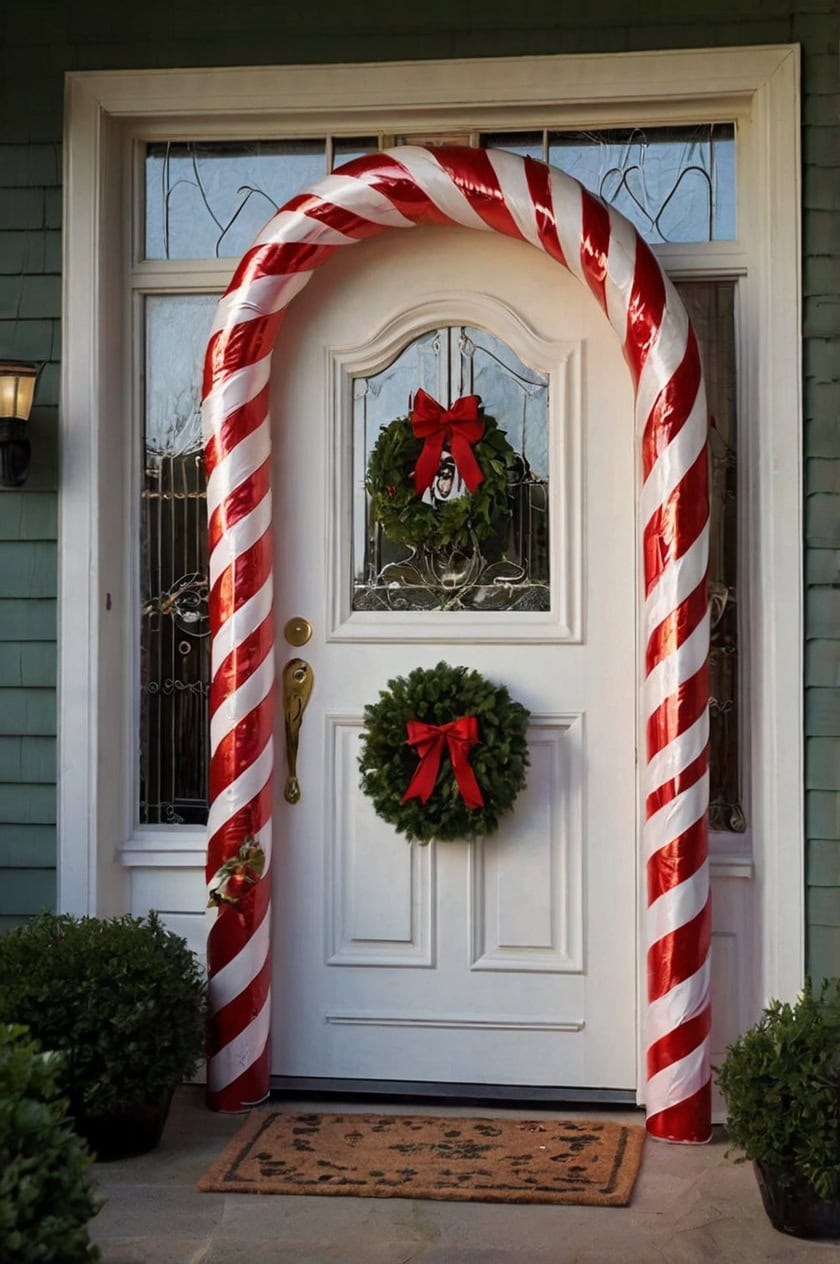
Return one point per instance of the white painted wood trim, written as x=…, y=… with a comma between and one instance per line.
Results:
x=376, y=96
x=106, y=111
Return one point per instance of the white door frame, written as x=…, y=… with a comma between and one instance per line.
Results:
x=109, y=113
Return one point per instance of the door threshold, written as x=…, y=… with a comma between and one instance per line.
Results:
x=466, y=1094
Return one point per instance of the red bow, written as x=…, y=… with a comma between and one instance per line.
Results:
x=459, y=426
x=428, y=740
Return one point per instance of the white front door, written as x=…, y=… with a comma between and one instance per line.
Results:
x=509, y=961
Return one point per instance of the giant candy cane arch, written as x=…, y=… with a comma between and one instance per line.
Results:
x=533, y=202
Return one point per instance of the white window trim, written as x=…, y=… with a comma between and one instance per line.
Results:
x=105, y=111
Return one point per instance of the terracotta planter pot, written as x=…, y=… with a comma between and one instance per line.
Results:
x=796, y=1209
x=129, y=1132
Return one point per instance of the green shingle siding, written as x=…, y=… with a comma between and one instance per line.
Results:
x=96, y=34
x=26, y=891
x=27, y=846
x=27, y=759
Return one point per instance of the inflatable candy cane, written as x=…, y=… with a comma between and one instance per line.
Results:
x=498, y=192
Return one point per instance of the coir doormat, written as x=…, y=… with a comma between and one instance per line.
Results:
x=419, y=1156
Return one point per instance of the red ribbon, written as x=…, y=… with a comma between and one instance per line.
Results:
x=428, y=740
x=459, y=427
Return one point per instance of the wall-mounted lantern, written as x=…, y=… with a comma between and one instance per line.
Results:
x=17, y=388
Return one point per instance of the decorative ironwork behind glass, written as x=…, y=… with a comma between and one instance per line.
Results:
x=509, y=571
x=675, y=184
x=711, y=306
x=174, y=624
x=209, y=199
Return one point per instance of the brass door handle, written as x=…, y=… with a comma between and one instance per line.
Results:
x=298, y=679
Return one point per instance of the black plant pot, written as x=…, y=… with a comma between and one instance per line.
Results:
x=795, y=1208
x=127, y=1132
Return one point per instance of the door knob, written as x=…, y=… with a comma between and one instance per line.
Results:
x=298, y=679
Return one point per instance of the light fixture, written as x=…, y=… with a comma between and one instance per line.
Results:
x=17, y=388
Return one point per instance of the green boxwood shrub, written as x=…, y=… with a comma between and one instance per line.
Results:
x=781, y=1082
x=45, y=1200
x=122, y=999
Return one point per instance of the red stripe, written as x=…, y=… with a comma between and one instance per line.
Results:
x=679, y=954
x=595, y=244
x=228, y=838
x=684, y=780
x=472, y=171
x=240, y=423
x=276, y=259
x=234, y=1017
x=689, y=1120
x=239, y=581
x=408, y=198
x=235, y=925
x=243, y=745
x=676, y=627
x=248, y=1089
x=538, y=176
x=242, y=662
x=677, y=861
x=673, y=527
x=334, y=216
x=678, y=712
x=645, y=308
x=672, y=406
x=236, y=346
x=239, y=503
x=679, y=1043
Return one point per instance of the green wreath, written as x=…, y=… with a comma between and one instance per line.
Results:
x=460, y=523
x=498, y=758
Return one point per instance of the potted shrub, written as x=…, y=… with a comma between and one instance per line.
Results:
x=781, y=1082
x=123, y=1000
x=45, y=1200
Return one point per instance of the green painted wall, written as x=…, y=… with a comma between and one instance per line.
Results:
x=42, y=39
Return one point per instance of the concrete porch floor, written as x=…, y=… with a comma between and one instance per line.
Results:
x=691, y=1203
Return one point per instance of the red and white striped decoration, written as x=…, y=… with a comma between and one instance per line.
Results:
x=499, y=192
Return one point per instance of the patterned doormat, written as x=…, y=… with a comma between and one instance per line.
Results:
x=418, y=1156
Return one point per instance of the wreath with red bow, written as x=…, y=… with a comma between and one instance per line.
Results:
x=406, y=462
x=444, y=753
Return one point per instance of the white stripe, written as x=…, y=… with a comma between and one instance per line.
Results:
x=297, y=228
x=240, y=464
x=438, y=186
x=677, y=668
x=241, y=790
x=239, y=973
x=239, y=537
x=242, y=1052
x=232, y=392
x=677, y=816
x=672, y=909
x=513, y=180
x=567, y=202
x=677, y=581
x=685, y=1001
x=242, y=622
x=676, y=756
x=676, y=460
x=679, y=1081
x=242, y=702
x=621, y=268
x=260, y=297
x=665, y=356
x=353, y=193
